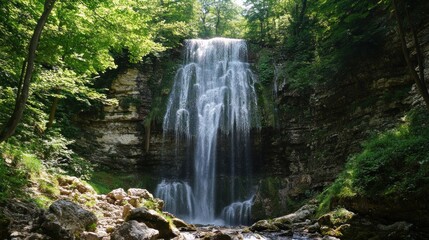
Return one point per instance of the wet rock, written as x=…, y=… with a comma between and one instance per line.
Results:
x=217, y=236
x=336, y=223
x=133, y=230
x=66, y=219
x=313, y=228
x=300, y=215
x=325, y=220
x=264, y=225
x=330, y=238
x=153, y=220
x=182, y=225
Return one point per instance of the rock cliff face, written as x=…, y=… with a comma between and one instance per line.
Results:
x=321, y=127
x=117, y=138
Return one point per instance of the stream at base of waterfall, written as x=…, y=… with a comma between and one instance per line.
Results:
x=211, y=110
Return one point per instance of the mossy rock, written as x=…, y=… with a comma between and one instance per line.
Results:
x=269, y=201
x=336, y=218
x=264, y=225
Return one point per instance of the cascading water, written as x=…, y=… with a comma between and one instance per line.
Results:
x=212, y=103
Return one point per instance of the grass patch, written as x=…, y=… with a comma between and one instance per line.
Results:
x=31, y=163
x=12, y=181
x=105, y=181
x=49, y=188
x=43, y=201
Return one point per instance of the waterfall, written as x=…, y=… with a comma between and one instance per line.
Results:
x=213, y=98
x=238, y=212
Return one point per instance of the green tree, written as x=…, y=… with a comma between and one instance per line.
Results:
x=220, y=18
x=77, y=45
x=259, y=15
x=26, y=74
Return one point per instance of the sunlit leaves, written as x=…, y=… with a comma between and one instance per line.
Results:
x=78, y=41
x=220, y=18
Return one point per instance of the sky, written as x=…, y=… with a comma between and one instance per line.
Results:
x=239, y=2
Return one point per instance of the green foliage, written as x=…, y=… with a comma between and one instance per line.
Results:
x=31, y=163
x=341, y=188
x=12, y=182
x=161, y=81
x=318, y=40
x=260, y=20
x=49, y=188
x=91, y=227
x=264, y=86
x=265, y=104
x=150, y=204
x=396, y=163
x=21, y=162
x=265, y=66
x=79, y=42
x=393, y=164
x=220, y=18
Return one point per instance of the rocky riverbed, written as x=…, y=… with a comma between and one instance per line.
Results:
x=80, y=213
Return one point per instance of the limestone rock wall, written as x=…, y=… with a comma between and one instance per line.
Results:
x=321, y=127
x=117, y=138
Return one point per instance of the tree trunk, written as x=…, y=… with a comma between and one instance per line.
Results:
x=218, y=12
x=419, y=54
x=22, y=96
x=52, y=113
x=420, y=81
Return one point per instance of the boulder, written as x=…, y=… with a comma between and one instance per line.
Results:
x=336, y=223
x=138, y=192
x=133, y=230
x=65, y=219
x=182, y=225
x=298, y=219
x=153, y=220
x=300, y=215
x=18, y=219
x=117, y=194
x=264, y=225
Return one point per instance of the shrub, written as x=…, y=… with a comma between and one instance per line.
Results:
x=12, y=181
x=393, y=164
